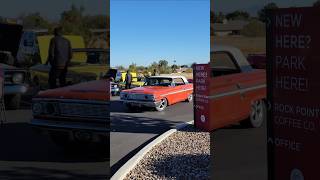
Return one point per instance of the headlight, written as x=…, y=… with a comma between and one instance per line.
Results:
x=115, y=86
x=37, y=108
x=17, y=78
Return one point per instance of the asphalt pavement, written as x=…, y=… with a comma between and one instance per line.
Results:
x=25, y=154
x=239, y=153
x=131, y=131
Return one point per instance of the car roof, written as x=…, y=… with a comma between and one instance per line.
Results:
x=235, y=52
x=169, y=76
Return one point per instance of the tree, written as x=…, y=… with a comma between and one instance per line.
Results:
x=34, y=20
x=72, y=22
x=216, y=18
x=133, y=67
x=316, y=4
x=238, y=15
x=163, y=66
x=174, y=68
x=121, y=68
x=255, y=28
x=262, y=14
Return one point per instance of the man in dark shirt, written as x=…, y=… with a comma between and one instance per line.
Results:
x=59, y=57
x=155, y=73
x=128, y=80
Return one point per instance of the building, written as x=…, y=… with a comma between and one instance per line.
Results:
x=228, y=27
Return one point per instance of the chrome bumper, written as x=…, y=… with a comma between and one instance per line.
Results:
x=141, y=103
x=66, y=125
x=15, y=89
x=70, y=130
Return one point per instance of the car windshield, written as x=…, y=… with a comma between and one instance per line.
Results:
x=158, y=82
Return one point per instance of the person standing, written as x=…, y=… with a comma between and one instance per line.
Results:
x=155, y=73
x=59, y=56
x=128, y=80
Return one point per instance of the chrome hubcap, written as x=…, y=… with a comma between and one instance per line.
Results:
x=257, y=111
x=163, y=104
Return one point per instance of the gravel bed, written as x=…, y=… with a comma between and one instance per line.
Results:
x=183, y=155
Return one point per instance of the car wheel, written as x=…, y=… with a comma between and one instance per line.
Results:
x=190, y=98
x=163, y=104
x=130, y=107
x=13, y=101
x=257, y=116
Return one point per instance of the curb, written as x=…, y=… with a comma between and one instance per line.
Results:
x=131, y=164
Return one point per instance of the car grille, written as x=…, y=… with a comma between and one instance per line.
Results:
x=84, y=110
x=137, y=97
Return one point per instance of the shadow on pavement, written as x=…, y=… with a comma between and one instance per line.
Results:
x=20, y=143
x=117, y=106
x=135, y=124
x=30, y=173
x=123, y=160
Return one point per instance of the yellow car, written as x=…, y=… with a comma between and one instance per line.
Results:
x=87, y=64
x=135, y=82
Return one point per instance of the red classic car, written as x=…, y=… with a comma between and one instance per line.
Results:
x=237, y=91
x=74, y=115
x=159, y=92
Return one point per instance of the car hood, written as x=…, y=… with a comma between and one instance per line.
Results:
x=149, y=90
x=10, y=36
x=93, y=90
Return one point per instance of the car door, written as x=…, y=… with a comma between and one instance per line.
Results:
x=173, y=93
x=182, y=93
x=224, y=97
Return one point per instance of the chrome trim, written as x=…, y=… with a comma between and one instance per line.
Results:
x=15, y=89
x=241, y=91
x=72, y=100
x=65, y=125
x=142, y=103
x=177, y=92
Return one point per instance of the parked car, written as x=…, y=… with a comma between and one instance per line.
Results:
x=237, y=91
x=87, y=64
x=158, y=92
x=115, y=87
x=17, y=79
x=74, y=116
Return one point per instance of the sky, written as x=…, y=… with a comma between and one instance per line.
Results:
x=144, y=31
x=51, y=9
x=252, y=6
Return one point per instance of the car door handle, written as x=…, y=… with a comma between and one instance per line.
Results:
x=238, y=85
x=242, y=94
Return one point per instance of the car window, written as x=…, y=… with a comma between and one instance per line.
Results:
x=222, y=60
x=178, y=81
x=223, y=63
x=158, y=82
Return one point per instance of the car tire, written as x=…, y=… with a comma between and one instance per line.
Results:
x=190, y=98
x=130, y=107
x=163, y=104
x=257, y=116
x=13, y=101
